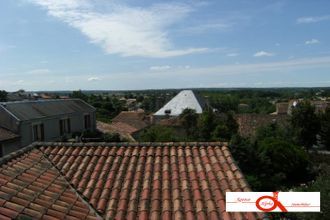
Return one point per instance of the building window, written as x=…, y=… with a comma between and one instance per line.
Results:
x=65, y=126
x=38, y=132
x=87, y=120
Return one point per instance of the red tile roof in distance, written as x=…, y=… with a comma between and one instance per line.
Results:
x=120, y=181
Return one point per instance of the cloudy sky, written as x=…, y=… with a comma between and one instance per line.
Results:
x=148, y=44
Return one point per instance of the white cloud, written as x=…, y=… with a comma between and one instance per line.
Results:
x=184, y=77
x=263, y=54
x=207, y=27
x=308, y=20
x=19, y=82
x=93, y=79
x=124, y=30
x=232, y=54
x=160, y=68
x=38, y=71
x=313, y=41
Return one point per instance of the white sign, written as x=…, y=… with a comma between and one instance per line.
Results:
x=273, y=201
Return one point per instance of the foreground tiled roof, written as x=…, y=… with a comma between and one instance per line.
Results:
x=32, y=188
x=7, y=135
x=120, y=181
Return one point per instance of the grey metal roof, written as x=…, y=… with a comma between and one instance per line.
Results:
x=185, y=99
x=28, y=110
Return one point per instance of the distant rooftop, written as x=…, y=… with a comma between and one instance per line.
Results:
x=185, y=99
x=34, y=109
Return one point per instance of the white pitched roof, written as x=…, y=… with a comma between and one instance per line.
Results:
x=185, y=99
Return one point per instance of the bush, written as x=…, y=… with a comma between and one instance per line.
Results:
x=114, y=137
x=285, y=163
x=158, y=133
x=270, y=164
x=322, y=185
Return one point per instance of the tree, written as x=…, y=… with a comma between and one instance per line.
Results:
x=284, y=163
x=270, y=163
x=226, y=127
x=3, y=96
x=158, y=133
x=322, y=185
x=274, y=130
x=189, y=121
x=113, y=137
x=79, y=95
x=206, y=124
x=305, y=123
x=325, y=129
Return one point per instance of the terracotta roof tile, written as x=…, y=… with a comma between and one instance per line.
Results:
x=34, y=190
x=122, y=181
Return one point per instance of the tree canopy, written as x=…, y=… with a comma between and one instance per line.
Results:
x=306, y=124
x=3, y=96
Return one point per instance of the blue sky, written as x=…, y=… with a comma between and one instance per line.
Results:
x=148, y=44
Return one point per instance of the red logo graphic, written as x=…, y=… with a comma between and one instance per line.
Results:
x=271, y=202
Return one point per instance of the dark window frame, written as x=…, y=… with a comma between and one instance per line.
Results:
x=65, y=126
x=38, y=132
x=87, y=122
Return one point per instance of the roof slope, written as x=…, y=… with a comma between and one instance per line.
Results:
x=136, y=120
x=32, y=188
x=185, y=99
x=131, y=181
x=27, y=110
x=6, y=135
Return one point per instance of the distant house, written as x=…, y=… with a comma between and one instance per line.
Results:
x=285, y=108
x=249, y=123
x=185, y=99
x=127, y=123
x=45, y=120
x=282, y=108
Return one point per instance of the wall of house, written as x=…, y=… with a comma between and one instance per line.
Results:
x=52, y=127
x=10, y=146
x=8, y=121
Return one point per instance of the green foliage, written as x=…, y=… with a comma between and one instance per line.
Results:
x=305, y=123
x=3, y=96
x=79, y=95
x=325, y=129
x=274, y=130
x=246, y=154
x=206, y=124
x=106, y=107
x=285, y=162
x=226, y=126
x=257, y=101
x=270, y=163
x=158, y=133
x=114, y=137
x=189, y=119
x=322, y=185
